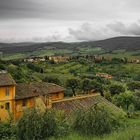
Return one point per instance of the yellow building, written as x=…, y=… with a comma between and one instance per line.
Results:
x=15, y=98
x=59, y=59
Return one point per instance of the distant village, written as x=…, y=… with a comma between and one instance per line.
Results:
x=66, y=58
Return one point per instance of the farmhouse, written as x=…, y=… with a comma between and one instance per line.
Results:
x=104, y=75
x=15, y=98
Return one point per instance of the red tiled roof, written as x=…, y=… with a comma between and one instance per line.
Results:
x=6, y=80
x=72, y=104
x=35, y=89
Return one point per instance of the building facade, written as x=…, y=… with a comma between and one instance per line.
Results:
x=15, y=98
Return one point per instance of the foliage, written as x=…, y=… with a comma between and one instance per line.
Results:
x=97, y=86
x=116, y=89
x=73, y=84
x=137, y=100
x=133, y=86
x=68, y=92
x=7, y=131
x=33, y=67
x=107, y=95
x=52, y=79
x=86, y=85
x=30, y=126
x=124, y=99
x=131, y=132
x=34, y=125
x=95, y=121
x=2, y=67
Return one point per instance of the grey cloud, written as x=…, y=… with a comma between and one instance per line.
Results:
x=87, y=32
x=11, y=9
x=131, y=29
x=76, y=11
x=90, y=32
x=66, y=9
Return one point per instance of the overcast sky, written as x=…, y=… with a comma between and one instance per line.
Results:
x=68, y=20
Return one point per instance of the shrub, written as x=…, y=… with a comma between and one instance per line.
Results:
x=97, y=86
x=29, y=126
x=34, y=67
x=7, y=131
x=35, y=126
x=68, y=92
x=107, y=95
x=52, y=79
x=116, y=89
x=86, y=85
x=124, y=100
x=137, y=100
x=95, y=121
x=73, y=84
x=133, y=86
x=63, y=126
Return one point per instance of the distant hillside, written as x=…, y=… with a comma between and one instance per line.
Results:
x=127, y=43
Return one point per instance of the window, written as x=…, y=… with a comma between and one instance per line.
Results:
x=1, y=107
x=24, y=103
x=7, y=106
x=7, y=91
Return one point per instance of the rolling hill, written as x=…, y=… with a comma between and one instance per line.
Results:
x=117, y=43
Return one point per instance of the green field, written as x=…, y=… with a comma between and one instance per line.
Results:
x=79, y=51
x=131, y=132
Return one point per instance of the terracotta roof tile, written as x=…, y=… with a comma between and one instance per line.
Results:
x=6, y=80
x=76, y=103
x=24, y=90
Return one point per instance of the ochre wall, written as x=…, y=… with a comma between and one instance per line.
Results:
x=57, y=96
x=19, y=108
x=5, y=114
x=3, y=93
x=16, y=106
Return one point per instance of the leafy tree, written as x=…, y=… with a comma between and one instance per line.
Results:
x=52, y=79
x=124, y=99
x=97, y=86
x=116, y=89
x=34, y=67
x=116, y=60
x=68, y=92
x=2, y=67
x=73, y=84
x=86, y=85
x=18, y=73
x=137, y=77
x=133, y=86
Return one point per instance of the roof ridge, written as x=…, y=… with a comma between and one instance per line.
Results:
x=76, y=98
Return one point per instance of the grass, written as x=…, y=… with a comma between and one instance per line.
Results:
x=132, y=132
x=42, y=52
x=123, y=53
x=89, y=50
x=14, y=56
